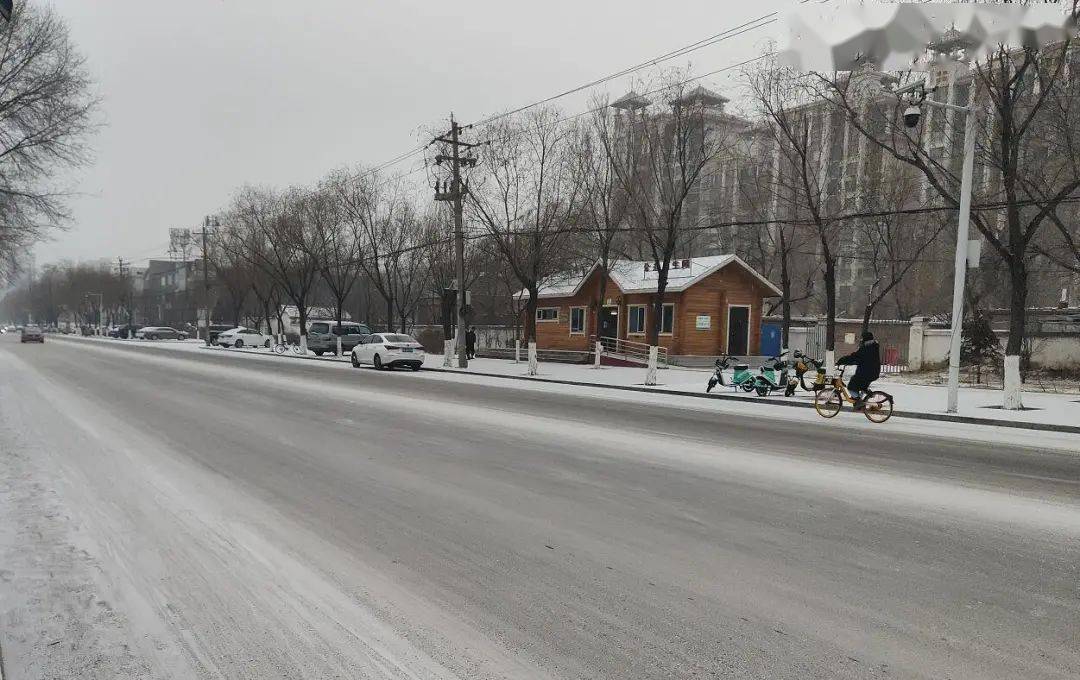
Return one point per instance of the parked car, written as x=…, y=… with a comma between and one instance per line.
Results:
x=323, y=335
x=217, y=329
x=159, y=333
x=244, y=337
x=32, y=333
x=389, y=350
x=128, y=330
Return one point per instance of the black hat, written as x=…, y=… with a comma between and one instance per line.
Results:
x=867, y=335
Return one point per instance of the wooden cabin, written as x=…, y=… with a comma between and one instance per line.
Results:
x=712, y=306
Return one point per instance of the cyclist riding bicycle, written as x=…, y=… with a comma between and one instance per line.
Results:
x=867, y=362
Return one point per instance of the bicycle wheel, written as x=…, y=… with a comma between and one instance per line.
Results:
x=279, y=349
x=297, y=349
x=878, y=407
x=828, y=402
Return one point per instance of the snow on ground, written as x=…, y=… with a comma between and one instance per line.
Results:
x=1045, y=408
x=1054, y=409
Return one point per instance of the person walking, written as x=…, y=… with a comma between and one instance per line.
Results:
x=470, y=343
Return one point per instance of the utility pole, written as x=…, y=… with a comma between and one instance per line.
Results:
x=456, y=192
x=130, y=295
x=206, y=275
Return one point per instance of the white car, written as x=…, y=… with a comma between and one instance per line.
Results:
x=387, y=350
x=243, y=337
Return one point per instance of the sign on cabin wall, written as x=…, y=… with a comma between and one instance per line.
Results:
x=704, y=322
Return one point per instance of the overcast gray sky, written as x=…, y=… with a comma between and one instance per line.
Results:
x=202, y=96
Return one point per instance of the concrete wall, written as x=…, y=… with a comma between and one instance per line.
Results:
x=1058, y=352
x=930, y=346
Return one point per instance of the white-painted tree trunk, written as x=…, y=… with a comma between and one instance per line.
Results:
x=532, y=358
x=447, y=352
x=599, y=349
x=650, y=371
x=303, y=344
x=830, y=358
x=517, y=351
x=338, y=338
x=1012, y=396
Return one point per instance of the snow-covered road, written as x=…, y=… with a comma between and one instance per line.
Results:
x=174, y=515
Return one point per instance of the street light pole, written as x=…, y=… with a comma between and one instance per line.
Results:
x=961, y=254
x=960, y=260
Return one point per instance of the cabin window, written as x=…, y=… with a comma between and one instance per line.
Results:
x=636, y=321
x=577, y=320
x=667, y=319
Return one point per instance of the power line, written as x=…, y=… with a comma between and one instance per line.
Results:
x=727, y=34
x=753, y=24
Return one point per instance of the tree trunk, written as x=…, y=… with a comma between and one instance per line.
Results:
x=830, y=304
x=658, y=308
x=389, y=313
x=600, y=302
x=337, y=317
x=530, y=314
x=1018, y=283
x=785, y=302
x=302, y=313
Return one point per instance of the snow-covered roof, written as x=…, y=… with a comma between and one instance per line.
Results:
x=640, y=277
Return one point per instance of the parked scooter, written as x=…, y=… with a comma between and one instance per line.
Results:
x=741, y=378
x=802, y=367
x=775, y=375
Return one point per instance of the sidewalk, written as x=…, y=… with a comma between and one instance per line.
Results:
x=1044, y=411
x=1053, y=412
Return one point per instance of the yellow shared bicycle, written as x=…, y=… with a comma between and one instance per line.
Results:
x=877, y=406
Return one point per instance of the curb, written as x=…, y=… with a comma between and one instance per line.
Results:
x=913, y=415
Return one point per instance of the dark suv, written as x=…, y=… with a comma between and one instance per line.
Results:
x=32, y=333
x=323, y=335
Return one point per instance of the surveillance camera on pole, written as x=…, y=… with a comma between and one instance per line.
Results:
x=912, y=114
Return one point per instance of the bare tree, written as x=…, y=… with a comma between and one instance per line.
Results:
x=813, y=184
x=759, y=230
x=337, y=247
x=281, y=244
x=1027, y=108
x=46, y=112
x=374, y=209
x=232, y=269
x=893, y=243
x=605, y=204
x=660, y=153
x=525, y=198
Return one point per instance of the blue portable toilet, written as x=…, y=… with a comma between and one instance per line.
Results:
x=770, y=339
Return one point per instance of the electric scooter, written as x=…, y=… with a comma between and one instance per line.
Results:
x=742, y=377
x=775, y=375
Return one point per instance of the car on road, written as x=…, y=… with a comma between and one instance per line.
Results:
x=159, y=333
x=32, y=333
x=388, y=350
x=216, y=329
x=322, y=336
x=244, y=337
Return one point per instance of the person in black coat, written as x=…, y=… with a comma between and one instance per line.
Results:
x=867, y=362
x=470, y=343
